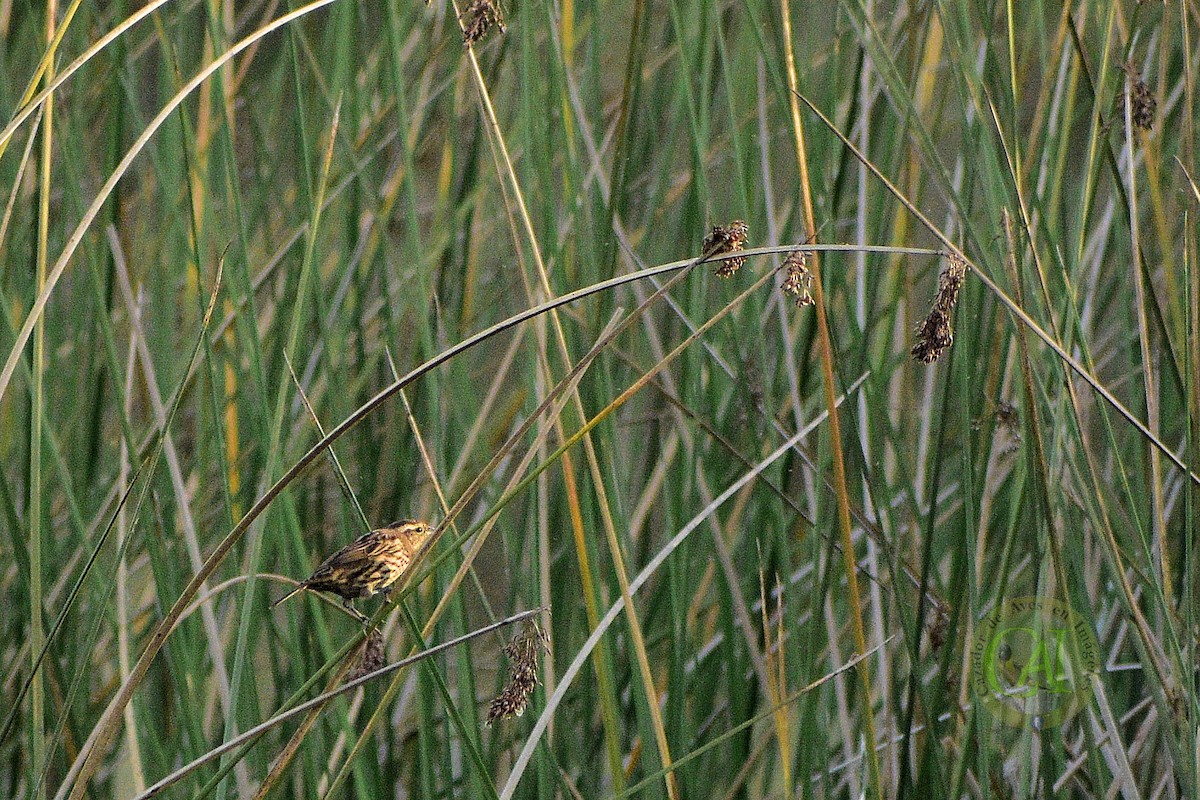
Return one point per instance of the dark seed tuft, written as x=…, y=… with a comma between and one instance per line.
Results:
x=939, y=625
x=481, y=16
x=1142, y=102
x=935, y=334
x=725, y=239
x=797, y=280
x=522, y=654
x=370, y=656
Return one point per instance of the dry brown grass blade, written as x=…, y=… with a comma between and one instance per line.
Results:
x=187, y=522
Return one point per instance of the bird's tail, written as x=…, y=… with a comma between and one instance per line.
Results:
x=299, y=588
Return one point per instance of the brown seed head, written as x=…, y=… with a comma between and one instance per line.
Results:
x=1008, y=416
x=1142, y=103
x=724, y=239
x=522, y=653
x=481, y=16
x=369, y=655
x=1143, y=106
x=369, y=564
x=934, y=337
x=938, y=625
x=797, y=280
x=935, y=334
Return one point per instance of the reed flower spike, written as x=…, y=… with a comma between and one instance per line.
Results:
x=798, y=281
x=1142, y=103
x=481, y=16
x=724, y=239
x=368, y=657
x=935, y=334
x=522, y=654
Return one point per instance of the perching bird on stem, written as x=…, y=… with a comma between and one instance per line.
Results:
x=369, y=564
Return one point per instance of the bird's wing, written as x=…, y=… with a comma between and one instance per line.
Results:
x=361, y=549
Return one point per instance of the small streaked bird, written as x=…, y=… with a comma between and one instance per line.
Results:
x=369, y=564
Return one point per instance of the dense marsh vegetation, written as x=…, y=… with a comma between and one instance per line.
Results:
x=274, y=274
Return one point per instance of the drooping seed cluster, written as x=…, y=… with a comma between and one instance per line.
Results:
x=481, y=16
x=1008, y=417
x=725, y=239
x=797, y=280
x=935, y=333
x=369, y=656
x=522, y=654
x=1142, y=103
x=938, y=625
